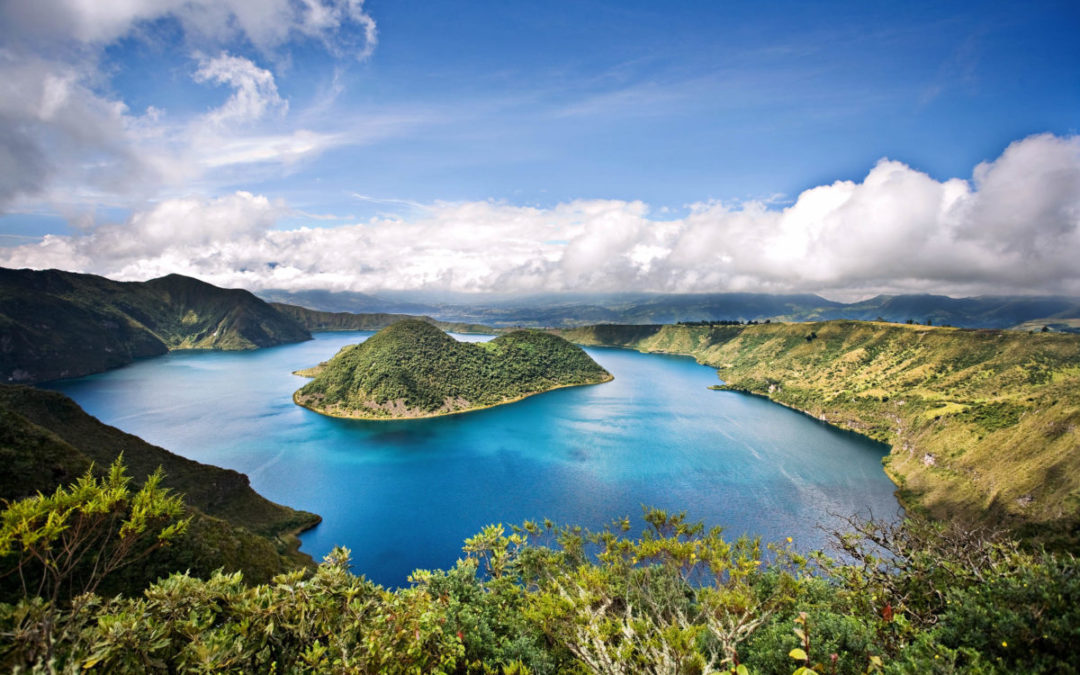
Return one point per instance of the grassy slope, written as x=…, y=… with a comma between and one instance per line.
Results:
x=47, y=440
x=982, y=423
x=413, y=369
x=312, y=319
x=59, y=324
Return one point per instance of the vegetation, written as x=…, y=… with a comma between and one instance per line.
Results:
x=680, y=598
x=413, y=369
x=60, y=324
x=982, y=424
x=47, y=442
x=580, y=309
x=329, y=321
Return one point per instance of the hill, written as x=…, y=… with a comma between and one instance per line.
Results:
x=61, y=324
x=413, y=369
x=330, y=321
x=983, y=424
x=47, y=440
x=578, y=309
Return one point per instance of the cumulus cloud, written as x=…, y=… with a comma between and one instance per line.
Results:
x=266, y=24
x=1013, y=227
x=254, y=89
x=66, y=140
x=53, y=126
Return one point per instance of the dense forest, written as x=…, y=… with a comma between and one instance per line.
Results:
x=413, y=369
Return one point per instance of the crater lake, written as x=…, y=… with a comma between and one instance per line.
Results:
x=404, y=495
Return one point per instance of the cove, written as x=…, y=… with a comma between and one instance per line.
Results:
x=405, y=494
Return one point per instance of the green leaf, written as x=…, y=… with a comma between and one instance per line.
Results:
x=798, y=654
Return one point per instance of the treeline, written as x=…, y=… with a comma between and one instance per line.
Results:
x=680, y=598
x=723, y=322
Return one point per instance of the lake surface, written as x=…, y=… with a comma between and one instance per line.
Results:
x=405, y=494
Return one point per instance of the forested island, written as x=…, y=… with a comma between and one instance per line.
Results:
x=412, y=369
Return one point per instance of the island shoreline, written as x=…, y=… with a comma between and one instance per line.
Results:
x=365, y=418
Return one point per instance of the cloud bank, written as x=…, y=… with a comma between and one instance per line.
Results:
x=1013, y=227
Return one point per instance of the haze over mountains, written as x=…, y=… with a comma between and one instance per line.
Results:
x=575, y=309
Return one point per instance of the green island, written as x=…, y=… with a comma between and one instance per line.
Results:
x=984, y=425
x=413, y=369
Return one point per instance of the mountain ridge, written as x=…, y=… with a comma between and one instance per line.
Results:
x=63, y=324
x=578, y=309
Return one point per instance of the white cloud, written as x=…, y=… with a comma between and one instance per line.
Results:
x=67, y=141
x=267, y=24
x=54, y=128
x=254, y=89
x=1015, y=227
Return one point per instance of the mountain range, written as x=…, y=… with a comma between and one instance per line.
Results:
x=578, y=309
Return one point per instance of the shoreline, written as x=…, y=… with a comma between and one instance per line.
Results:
x=463, y=411
x=724, y=386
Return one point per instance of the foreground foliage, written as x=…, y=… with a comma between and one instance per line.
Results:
x=680, y=598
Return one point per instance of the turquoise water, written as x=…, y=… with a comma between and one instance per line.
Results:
x=404, y=495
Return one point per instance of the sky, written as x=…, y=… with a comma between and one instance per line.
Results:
x=844, y=148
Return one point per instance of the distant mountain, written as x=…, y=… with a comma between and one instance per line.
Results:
x=342, y=301
x=330, y=321
x=413, y=369
x=978, y=312
x=57, y=324
x=576, y=309
x=47, y=440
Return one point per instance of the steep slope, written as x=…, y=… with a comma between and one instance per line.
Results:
x=60, y=324
x=983, y=424
x=413, y=369
x=313, y=319
x=47, y=440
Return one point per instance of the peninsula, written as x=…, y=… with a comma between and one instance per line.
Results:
x=412, y=369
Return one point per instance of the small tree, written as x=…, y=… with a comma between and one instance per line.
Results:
x=61, y=546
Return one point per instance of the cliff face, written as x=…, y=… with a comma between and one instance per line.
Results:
x=59, y=324
x=983, y=424
x=413, y=369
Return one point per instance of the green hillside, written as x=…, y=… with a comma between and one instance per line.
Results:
x=60, y=324
x=983, y=424
x=47, y=440
x=313, y=319
x=413, y=369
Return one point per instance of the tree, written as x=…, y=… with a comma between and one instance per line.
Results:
x=61, y=546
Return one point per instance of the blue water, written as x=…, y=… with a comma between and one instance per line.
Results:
x=404, y=495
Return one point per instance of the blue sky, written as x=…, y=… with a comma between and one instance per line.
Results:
x=417, y=117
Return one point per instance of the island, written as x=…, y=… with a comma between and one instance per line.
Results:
x=412, y=369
